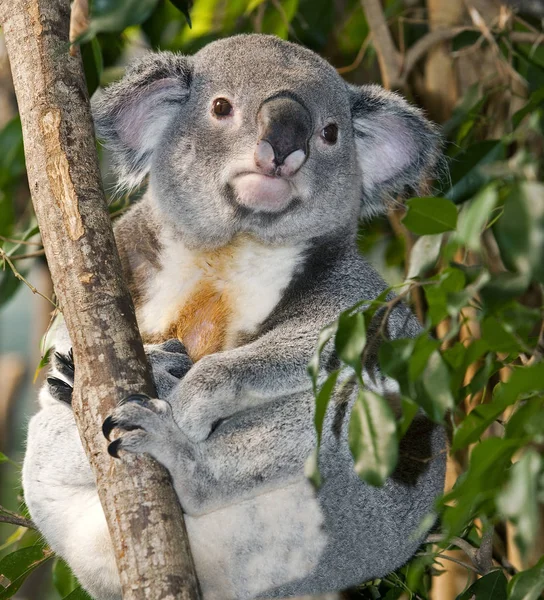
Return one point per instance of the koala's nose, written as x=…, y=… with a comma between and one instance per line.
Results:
x=285, y=127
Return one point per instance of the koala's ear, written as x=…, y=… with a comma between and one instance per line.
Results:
x=131, y=115
x=397, y=147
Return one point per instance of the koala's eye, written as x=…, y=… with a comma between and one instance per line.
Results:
x=222, y=107
x=330, y=133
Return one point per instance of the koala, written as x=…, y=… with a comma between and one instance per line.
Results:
x=259, y=161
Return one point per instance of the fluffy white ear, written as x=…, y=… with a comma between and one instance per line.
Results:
x=131, y=115
x=397, y=147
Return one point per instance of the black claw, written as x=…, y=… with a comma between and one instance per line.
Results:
x=108, y=426
x=65, y=365
x=60, y=390
x=113, y=448
x=141, y=399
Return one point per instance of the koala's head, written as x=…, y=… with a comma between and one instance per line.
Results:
x=255, y=134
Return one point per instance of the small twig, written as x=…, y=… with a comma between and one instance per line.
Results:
x=416, y=52
x=7, y=516
x=526, y=37
x=484, y=554
x=450, y=558
x=389, y=58
x=358, y=59
x=28, y=255
x=468, y=549
x=23, y=242
x=6, y=259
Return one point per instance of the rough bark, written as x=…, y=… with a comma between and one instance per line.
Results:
x=142, y=511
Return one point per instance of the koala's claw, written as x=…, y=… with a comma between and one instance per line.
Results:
x=60, y=390
x=144, y=424
x=113, y=447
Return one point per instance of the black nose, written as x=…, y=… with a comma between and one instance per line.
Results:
x=286, y=125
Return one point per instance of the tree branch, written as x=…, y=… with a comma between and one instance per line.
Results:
x=389, y=58
x=143, y=514
x=416, y=52
x=7, y=516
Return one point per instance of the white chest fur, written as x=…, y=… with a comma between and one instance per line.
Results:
x=223, y=292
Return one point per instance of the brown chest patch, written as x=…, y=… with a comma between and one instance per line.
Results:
x=202, y=322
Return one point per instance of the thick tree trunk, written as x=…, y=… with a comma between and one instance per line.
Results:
x=143, y=514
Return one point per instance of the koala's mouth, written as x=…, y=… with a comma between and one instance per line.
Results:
x=263, y=193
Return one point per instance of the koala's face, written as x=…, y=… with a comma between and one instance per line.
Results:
x=254, y=134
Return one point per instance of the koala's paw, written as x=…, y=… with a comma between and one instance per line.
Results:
x=169, y=363
x=205, y=398
x=61, y=389
x=146, y=426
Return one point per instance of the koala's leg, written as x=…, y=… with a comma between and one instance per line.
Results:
x=245, y=549
x=61, y=495
x=254, y=452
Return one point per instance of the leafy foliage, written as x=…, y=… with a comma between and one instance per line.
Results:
x=469, y=259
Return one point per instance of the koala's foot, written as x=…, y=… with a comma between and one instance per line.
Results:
x=147, y=425
x=61, y=389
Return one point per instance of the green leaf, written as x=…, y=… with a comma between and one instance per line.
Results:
x=78, y=594
x=489, y=587
x=350, y=339
x=18, y=565
x=474, y=216
x=466, y=169
x=184, y=6
x=518, y=501
x=476, y=489
x=3, y=458
x=527, y=585
x=114, y=16
x=63, y=578
x=435, y=381
x=394, y=358
x=252, y=5
x=520, y=230
x=528, y=421
x=424, y=254
x=440, y=290
x=522, y=381
x=324, y=336
x=373, y=437
x=278, y=17
x=535, y=101
x=427, y=216
x=322, y=401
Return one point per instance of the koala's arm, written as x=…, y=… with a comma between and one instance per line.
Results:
x=223, y=384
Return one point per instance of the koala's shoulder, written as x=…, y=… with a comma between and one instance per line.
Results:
x=136, y=235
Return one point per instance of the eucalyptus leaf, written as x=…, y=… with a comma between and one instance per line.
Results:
x=474, y=216
x=18, y=565
x=522, y=381
x=424, y=254
x=114, y=16
x=427, y=216
x=520, y=230
x=350, y=339
x=466, y=171
x=529, y=584
x=518, y=501
x=491, y=586
x=373, y=437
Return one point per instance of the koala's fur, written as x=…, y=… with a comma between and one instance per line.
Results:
x=246, y=290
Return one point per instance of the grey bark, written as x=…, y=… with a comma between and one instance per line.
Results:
x=143, y=514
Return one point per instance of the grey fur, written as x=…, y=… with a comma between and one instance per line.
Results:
x=235, y=429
